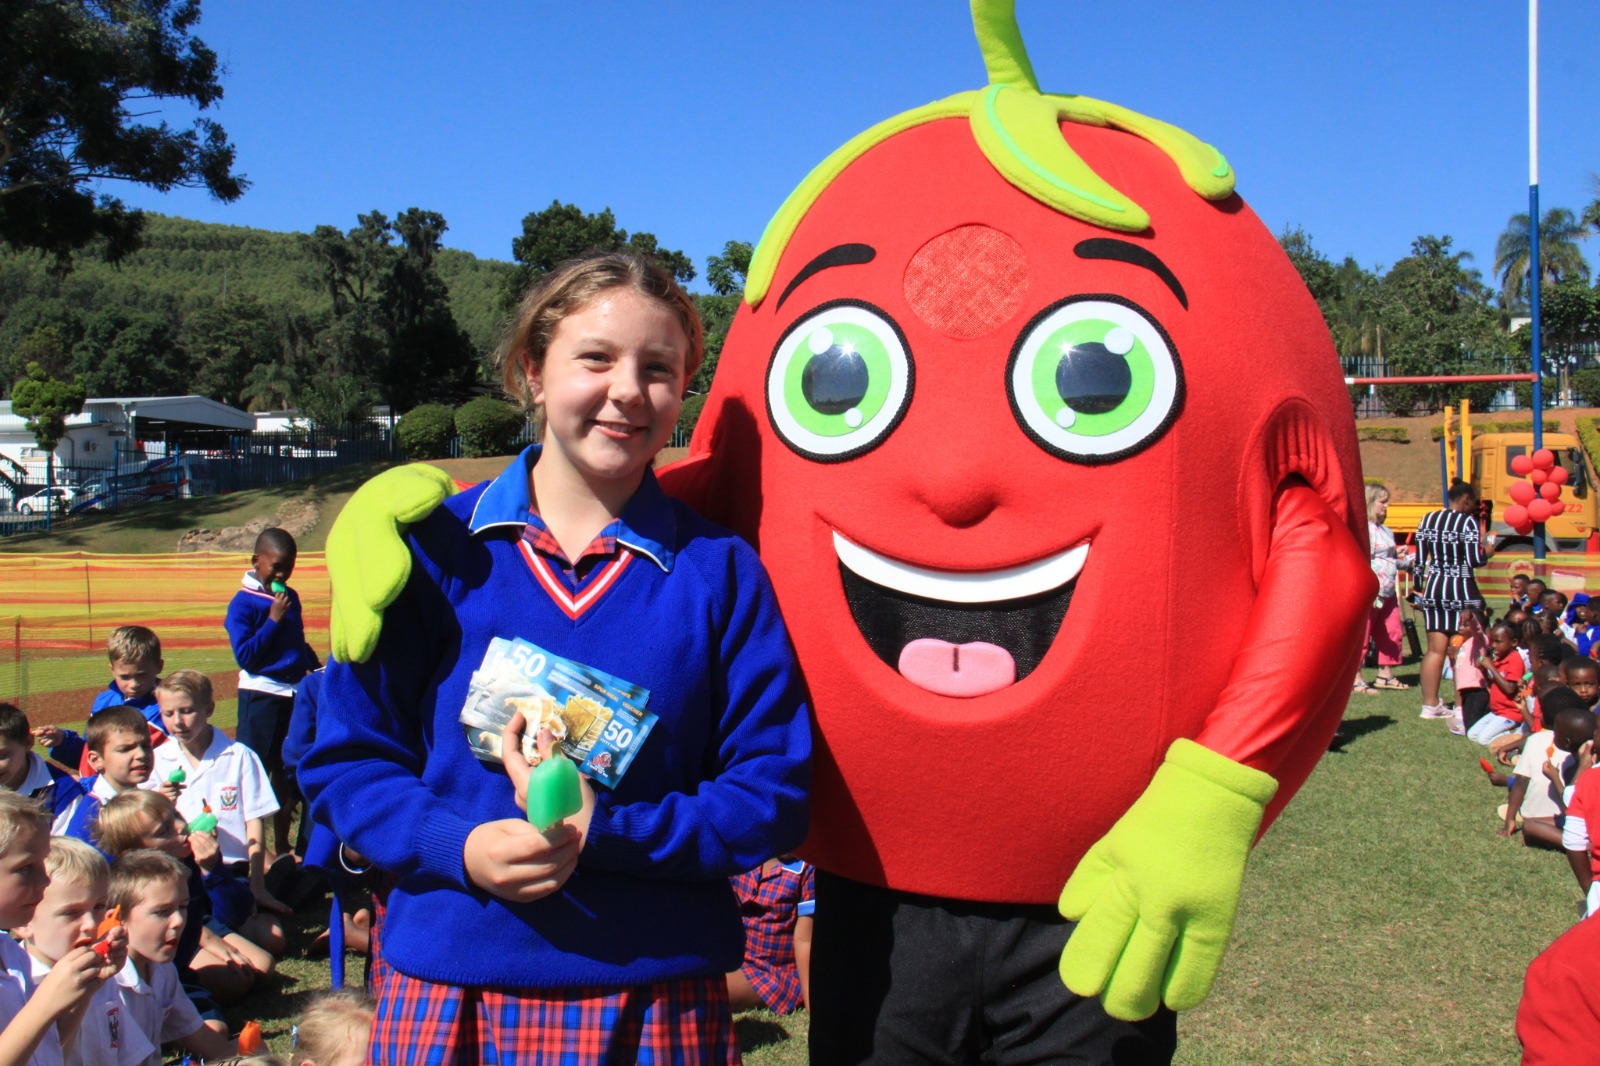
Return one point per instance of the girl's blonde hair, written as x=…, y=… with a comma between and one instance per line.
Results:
x=325, y=1026
x=127, y=817
x=569, y=287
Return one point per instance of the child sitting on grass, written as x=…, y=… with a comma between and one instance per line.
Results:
x=776, y=901
x=225, y=963
x=1535, y=800
x=25, y=772
x=68, y=916
x=1583, y=677
x=151, y=887
x=135, y=655
x=119, y=755
x=1502, y=671
x=39, y=1019
x=333, y=1030
x=223, y=778
x=1472, y=699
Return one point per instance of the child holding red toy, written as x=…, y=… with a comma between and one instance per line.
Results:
x=605, y=936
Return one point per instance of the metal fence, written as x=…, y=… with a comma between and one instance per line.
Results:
x=1373, y=401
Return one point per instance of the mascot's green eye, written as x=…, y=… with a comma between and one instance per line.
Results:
x=839, y=381
x=1094, y=379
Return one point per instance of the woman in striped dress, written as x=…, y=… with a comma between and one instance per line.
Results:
x=1450, y=544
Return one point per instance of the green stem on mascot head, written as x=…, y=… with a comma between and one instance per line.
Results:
x=1018, y=128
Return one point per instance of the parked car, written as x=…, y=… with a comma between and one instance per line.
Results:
x=60, y=497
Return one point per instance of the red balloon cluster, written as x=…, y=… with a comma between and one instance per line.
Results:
x=1539, y=498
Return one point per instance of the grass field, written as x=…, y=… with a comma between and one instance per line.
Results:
x=1382, y=919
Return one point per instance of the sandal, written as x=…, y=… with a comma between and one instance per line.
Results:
x=1389, y=682
x=1363, y=689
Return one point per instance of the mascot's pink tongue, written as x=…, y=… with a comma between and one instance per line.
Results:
x=957, y=669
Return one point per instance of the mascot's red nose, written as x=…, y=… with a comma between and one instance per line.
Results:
x=967, y=281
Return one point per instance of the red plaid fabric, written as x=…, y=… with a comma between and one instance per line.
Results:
x=382, y=884
x=667, y=1023
x=573, y=571
x=771, y=898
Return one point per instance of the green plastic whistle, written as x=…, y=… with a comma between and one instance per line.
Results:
x=553, y=792
x=177, y=777
x=279, y=587
x=203, y=824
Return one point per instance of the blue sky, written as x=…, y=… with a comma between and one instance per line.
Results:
x=1366, y=123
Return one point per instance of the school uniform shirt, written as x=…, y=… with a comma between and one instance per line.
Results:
x=17, y=984
x=157, y=1006
x=56, y=789
x=107, y=1036
x=72, y=752
x=1509, y=665
x=1543, y=800
x=272, y=655
x=230, y=778
x=97, y=790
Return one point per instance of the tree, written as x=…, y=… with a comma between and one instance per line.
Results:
x=130, y=354
x=269, y=386
x=331, y=403
x=392, y=324
x=726, y=273
x=1591, y=213
x=69, y=71
x=225, y=343
x=1559, y=254
x=47, y=403
x=1435, y=313
x=488, y=426
x=1344, y=294
x=562, y=231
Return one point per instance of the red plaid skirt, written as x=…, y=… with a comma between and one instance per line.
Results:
x=667, y=1023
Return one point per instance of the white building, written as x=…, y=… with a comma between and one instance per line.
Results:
x=115, y=430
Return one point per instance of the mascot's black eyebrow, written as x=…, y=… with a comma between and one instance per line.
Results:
x=1124, y=252
x=838, y=255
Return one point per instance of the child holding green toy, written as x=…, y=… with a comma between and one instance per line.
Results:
x=640, y=619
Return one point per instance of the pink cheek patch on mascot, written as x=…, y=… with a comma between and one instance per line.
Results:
x=1008, y=364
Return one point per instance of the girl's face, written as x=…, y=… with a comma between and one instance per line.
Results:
x=1501, y=640
x=611, y=387
x=1469, y=625
x=167, y=836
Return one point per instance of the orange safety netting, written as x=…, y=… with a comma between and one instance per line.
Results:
x=57, y=610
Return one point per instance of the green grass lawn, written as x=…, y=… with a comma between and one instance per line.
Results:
x=1382, y=919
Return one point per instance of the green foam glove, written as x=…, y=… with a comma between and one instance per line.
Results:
x=1155, y=898
x=368, y=561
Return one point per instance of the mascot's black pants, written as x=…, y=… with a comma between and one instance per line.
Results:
x=898, y=978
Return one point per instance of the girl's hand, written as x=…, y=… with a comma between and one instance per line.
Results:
x=518, y=769
x=279, y=608
x=514, y=861
x=206, y=851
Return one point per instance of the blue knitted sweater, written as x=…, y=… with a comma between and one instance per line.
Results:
x=719, y=786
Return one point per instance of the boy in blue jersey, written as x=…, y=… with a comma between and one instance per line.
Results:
x=135, y=655
x=268, y=634
x=120, y=759
x=23, y=771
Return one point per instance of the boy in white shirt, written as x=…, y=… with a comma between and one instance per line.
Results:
x=40, y=1018
x=68, y=916
x=221, y=777
x=152, y=888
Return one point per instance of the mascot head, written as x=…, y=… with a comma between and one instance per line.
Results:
x=1016, y=378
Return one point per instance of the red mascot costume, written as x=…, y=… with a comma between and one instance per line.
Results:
x=1008, y=364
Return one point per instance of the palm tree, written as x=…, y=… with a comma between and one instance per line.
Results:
x=268, y=386
x=1591, y=214
x=1559, y=256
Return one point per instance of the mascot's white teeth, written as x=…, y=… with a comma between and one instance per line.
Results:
x=976, y=586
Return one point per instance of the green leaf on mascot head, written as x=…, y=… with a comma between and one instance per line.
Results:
x=1018, y=128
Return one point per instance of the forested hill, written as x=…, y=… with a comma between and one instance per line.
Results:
x=330, y=322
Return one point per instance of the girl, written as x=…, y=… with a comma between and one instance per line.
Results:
x=333, y=1030
x=1472, y=699
x=610, y=931
x=1451, y=544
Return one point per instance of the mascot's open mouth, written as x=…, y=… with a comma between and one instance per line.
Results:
x=958, y=633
